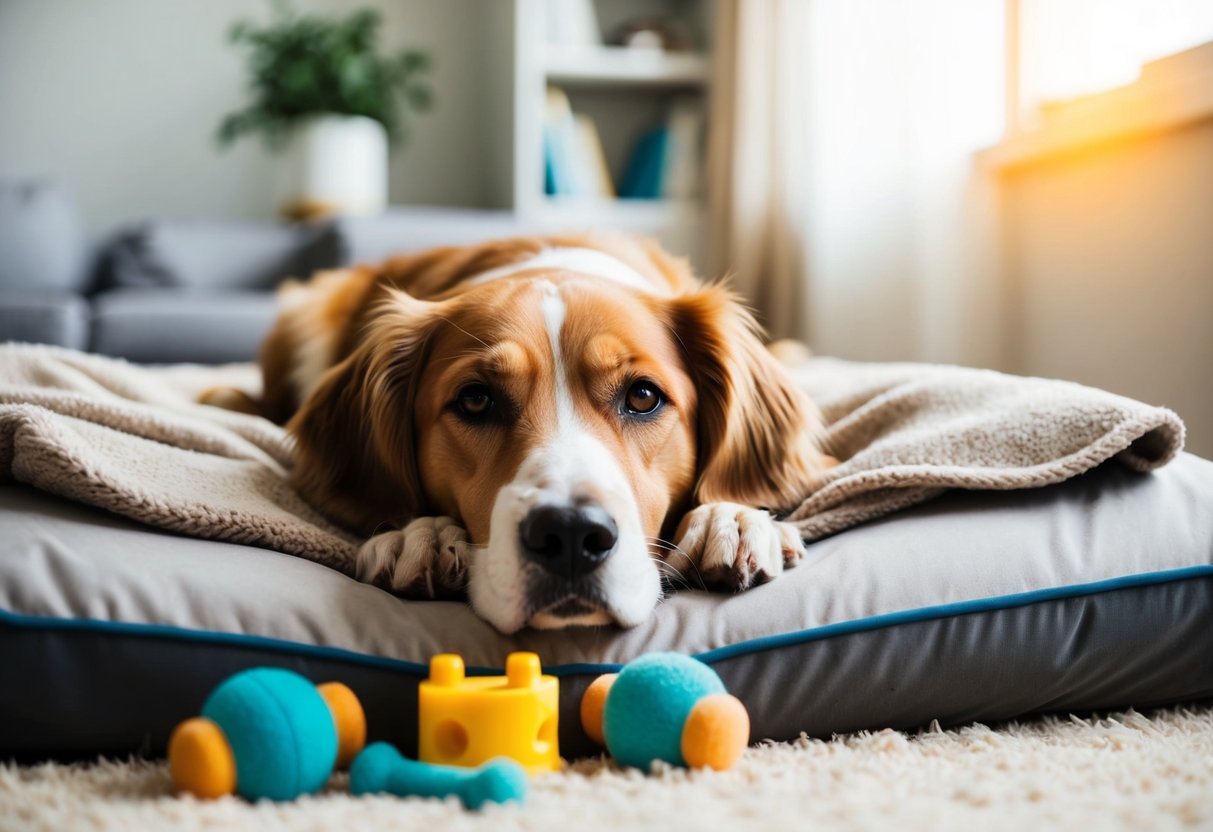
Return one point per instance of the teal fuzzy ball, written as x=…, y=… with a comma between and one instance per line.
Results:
x=649, y=704
x=281, y=732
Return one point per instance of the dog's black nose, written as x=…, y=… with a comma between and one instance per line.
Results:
x=568, y=541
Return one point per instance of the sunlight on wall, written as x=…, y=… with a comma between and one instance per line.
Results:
x=1071, y=48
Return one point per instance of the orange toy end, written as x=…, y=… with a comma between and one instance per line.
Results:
x=716, y=732
x=349, y=718
x=593, y=703
x=200, y=759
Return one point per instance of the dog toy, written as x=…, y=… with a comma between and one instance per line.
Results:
x=381, y=768
x=466, y=721
x=269, y=733
x=666, y=706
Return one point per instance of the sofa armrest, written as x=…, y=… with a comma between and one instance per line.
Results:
x=44, y=317
x=42, y=245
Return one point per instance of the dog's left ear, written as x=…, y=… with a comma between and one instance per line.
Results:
x=757, y=433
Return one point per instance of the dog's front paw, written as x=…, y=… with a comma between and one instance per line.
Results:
x=734, y=547
x=425, y=559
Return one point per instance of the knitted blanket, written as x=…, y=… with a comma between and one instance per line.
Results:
x=132, y=440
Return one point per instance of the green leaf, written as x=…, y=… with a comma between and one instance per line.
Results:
x=415, y=61
x=420, y=98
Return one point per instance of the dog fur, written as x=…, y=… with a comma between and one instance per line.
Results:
x=370, y=369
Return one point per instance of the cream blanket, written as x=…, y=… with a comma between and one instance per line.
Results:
x=132, y=440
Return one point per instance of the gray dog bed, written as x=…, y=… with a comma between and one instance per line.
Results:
x=1094, y=593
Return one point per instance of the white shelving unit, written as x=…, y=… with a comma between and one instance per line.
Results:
x=617, y=65
x=625, y=91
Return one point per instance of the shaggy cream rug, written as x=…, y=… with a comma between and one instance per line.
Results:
x=1127, y=771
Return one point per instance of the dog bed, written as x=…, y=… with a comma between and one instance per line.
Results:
x=1079, y=577
x=1094, y=593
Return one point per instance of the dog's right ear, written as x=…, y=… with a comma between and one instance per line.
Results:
x=356, y=460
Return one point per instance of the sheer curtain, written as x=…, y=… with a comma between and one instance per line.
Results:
x=843, y=191
x=757, y=165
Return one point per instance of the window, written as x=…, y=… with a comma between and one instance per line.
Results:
x=1072, y=48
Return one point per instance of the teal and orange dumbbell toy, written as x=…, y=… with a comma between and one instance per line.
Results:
x=381, y=768
x=268, y=733
x=666, y=706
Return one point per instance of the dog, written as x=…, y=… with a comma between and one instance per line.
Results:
x=558, y=426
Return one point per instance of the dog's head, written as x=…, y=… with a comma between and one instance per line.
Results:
x=567, y=422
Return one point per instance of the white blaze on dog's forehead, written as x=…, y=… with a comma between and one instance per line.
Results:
x=582, y=260
x=554, y=312
x=561, y=470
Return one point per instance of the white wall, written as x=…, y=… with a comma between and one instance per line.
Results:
x=1110, y=272
x=120, y=99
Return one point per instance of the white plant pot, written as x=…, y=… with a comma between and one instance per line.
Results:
x=335, y=164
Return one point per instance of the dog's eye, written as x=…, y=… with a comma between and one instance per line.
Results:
x=474, y=400
x=642, y=397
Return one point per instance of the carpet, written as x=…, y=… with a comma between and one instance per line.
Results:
x=1128, y=770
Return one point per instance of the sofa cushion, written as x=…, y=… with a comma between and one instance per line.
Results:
x=44, y=317
x=42, y=243
x=218, y=255
x=404, y=230
x=158, y=326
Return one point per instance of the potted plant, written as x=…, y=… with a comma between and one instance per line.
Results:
x=325, y=97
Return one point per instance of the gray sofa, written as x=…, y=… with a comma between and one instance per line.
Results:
x=183, y=290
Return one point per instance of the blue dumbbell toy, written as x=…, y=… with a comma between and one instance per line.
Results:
x=381, y=768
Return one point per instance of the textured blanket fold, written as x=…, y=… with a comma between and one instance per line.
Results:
x=907, y=432
x=132, y=440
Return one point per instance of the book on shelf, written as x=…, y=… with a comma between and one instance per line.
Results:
x=574, y=163
x=645, y=171
x=684, y=168
x=667, y=161
x=592, y=154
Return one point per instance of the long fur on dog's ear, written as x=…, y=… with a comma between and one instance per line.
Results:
x=356, y=458
x=757, y=434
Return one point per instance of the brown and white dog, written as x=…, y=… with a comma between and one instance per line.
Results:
x=552, y=424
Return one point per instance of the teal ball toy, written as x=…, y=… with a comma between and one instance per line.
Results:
x=280, y=730
x=649, y=704
x=381, y=768
x=669, y=707
x=267, y=733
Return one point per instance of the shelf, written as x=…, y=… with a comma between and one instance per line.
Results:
x=617, y=65
x=625, y=214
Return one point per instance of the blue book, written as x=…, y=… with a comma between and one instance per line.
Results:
x=550, y=186
x=646, y=169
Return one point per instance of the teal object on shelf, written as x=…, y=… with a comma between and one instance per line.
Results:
x=646, y=168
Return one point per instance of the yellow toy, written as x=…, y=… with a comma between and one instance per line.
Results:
x=467, y=721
